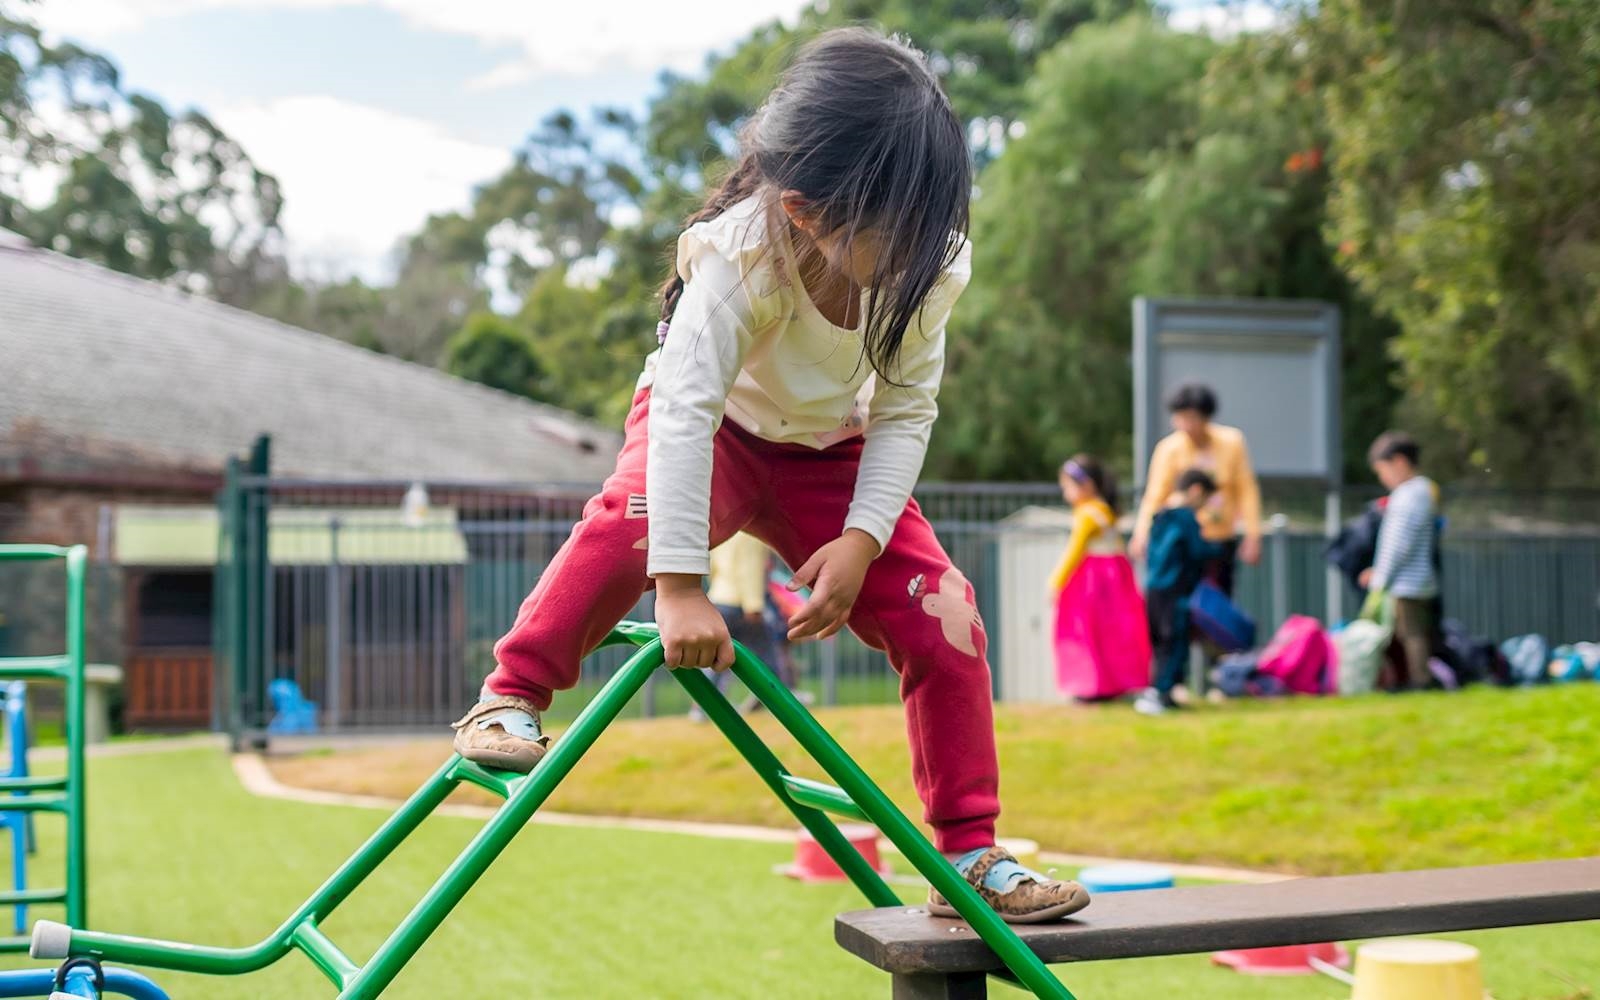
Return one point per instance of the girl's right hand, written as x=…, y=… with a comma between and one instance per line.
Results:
x=692, y=630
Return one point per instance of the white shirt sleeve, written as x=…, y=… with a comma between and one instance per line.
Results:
x=900, y=417
x=899, y=422
x=705, y=347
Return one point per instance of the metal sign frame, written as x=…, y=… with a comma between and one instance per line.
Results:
x=1246, y=326
x=1257, y=326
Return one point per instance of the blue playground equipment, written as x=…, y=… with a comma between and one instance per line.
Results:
x=1101, y=879
x=19, y=823
x=79, y=979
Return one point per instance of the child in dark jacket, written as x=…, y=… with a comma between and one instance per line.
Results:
x=1175, y=563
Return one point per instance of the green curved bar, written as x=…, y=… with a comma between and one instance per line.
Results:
x=524, y=794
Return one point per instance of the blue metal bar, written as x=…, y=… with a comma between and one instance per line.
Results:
x=80, y=983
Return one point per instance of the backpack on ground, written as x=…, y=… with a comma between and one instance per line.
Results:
x=1220, y=620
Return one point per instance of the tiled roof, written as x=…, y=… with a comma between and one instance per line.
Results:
x=100, y=363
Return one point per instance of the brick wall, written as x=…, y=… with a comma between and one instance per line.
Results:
x=33, y=595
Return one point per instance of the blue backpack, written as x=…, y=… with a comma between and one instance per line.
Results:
x=1220, y=620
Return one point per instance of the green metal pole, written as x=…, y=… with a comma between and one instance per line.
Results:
x=157, y=954
x=224, y=627
x=378, y=847
x=428, y=914
x=901, y=831
x=261, y=570
x=236, y=608
x=77, y=801
x=771, y=770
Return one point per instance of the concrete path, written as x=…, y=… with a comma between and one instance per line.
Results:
x=257, y=779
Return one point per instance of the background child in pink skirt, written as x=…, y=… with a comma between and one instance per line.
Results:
x=1102, y=649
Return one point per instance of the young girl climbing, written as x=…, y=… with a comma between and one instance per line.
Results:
x=802, y=342
x=1102, y=650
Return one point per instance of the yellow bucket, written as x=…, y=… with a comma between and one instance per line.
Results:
x=1415, y=969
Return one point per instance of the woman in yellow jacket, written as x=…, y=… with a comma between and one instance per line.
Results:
x=1232, y=517
x=1101, y=642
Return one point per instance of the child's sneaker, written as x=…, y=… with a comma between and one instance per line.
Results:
x=502, y=732
x=1018, y=894
x=1153, y=702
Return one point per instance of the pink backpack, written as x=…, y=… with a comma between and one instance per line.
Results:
x=1301, y=655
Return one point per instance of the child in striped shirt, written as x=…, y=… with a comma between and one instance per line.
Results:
x=1403, y=568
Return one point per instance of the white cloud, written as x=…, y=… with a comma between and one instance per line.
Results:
x=554, y=38
x=508, y=74
x=1226, y=18
x=97, y=18
x=355, y=178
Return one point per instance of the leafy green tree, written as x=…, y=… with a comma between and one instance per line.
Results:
x=552, y=207
x=1241, y=211
x=591, y=349
x=1038, y=361
x=491, y=350
x=1464, y=199
x=137, y=187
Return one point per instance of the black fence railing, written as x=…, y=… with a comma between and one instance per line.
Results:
x=381, y=601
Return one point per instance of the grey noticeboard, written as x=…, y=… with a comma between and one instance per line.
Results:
x=1273, y=363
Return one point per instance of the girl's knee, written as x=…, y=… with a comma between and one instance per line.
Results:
x=617, y=519
x=935, y=617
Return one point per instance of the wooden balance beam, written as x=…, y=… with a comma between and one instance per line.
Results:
x=938, y=959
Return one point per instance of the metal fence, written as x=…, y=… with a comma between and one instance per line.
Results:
x=384, y=612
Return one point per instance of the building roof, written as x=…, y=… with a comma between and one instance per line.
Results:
x=102, y=371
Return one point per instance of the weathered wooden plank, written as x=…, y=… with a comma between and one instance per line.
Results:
x=1208, y=918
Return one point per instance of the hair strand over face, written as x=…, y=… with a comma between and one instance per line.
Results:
x=859, y=126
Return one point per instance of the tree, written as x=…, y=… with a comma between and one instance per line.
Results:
x=1038, y=358
x=429, y=301
x=491, y=350
x=1466, y=203
x=1241, y=211
x=552, y=206
x=349, y=310
x=137, y=187
x=592, y=350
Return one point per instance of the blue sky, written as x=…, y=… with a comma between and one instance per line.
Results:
x=374, y=113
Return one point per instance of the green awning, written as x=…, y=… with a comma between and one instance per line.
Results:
x=297, y=536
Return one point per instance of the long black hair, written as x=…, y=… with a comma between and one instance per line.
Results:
x=859, y=126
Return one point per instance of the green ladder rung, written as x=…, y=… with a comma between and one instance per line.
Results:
x=14, y=945
x=32, y=897
x=21, y=668
x=502, y=783
x=31, y=553
x=819, y=795
x=36, y=803
x=35, y=783
x=324, y=954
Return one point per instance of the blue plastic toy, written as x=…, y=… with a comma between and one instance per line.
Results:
x=295, y=714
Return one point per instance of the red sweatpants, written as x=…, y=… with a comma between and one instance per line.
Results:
x=915, y=604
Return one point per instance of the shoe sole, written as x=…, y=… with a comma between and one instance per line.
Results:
x=519, y=762
x=1066, y=909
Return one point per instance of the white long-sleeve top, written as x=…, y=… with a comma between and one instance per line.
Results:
x=746, y=343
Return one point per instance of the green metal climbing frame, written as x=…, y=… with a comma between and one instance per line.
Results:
x=65, y=793
x=856, y=796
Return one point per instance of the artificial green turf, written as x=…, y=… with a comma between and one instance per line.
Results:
x=179, y=850
x=1305, y=785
